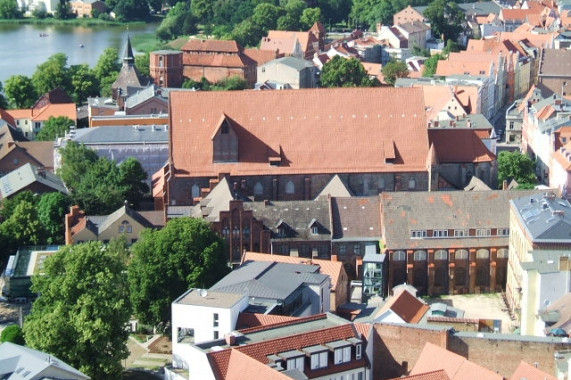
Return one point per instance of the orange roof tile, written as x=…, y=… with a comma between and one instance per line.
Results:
x=261, y=350
x=261, y=56
x=283, y=323
x=459, y=146
x=66, y=109
x=529, y=372
x=456, y=367
x=21, y=113
x=284, y=41
x=247, y=320
x=409, y=308
x=6, y=116
x=517, y=14
x=222, y=46
x=563, y=157
x=333, y=269
x=292, y=123
x=241, y=366
x=433, y=375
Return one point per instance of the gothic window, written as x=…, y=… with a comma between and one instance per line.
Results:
x=290, y=188
x=195, y=191
x=258, y=189
x=503, y=253
x=482, y=254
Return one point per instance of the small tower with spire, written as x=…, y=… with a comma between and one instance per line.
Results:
x=130, y=79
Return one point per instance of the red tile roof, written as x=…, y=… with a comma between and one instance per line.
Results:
x=248, y=320
x=261, y=350
x=222, y=46
x=358, y=122
x=456, y=367
x=284, y=41
x=434, y=375
x=409, y=308
x=529, y=372
x=232, y=364
x=459, y=146
x=283, y=323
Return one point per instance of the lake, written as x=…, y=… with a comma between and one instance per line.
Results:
x=24, y=47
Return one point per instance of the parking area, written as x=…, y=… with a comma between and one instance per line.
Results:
x=481, y=306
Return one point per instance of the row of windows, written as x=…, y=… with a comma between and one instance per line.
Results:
x=442, y=254
x=321, y=359
x=480, y=232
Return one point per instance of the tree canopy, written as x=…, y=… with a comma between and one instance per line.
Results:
x=393, y=70
x=12, y=334
x=55, y=126
x=83, y=308
x=342, y=72
x=9, y=9
x=20, y=91
x=445, y=18
x=517, y=166
x=52, y=74
x=97, y=184
x=186, y=253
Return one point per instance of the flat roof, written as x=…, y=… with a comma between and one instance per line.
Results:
x=203, y=297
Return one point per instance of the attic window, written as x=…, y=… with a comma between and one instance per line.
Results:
x=125, y=227
x=314, y=229
x=224, y=129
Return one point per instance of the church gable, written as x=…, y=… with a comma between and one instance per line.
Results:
x=225, y=142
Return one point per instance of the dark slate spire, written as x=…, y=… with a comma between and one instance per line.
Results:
x=129, y=58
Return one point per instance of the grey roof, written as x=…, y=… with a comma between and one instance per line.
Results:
x=269, y=280
x=402, y=212
x=25, y=176
x=546, y=218
x=149, y=134
x=293, y=62
x=479, y=8
x=414, y=27
x=209, y=298
x=143, y=95
x=356, y=218
x=298, y=217
x=167, y=52
x=545, y=261
x=476, y=184
x=555, y=62
x=99, y=223
x=18, y=362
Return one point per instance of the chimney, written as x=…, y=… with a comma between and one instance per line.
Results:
x=334, y=258
x=504, y=184
x=230, y=339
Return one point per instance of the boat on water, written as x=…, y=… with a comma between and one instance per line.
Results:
x=81, y=45
x=43, y=34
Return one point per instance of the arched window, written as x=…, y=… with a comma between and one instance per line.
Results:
x=482, y=276
x=482, y=254
x=399, y=256
x=460, y=276
x=226, y=232
x=461, y=254
x=195, y=191
x=246, y=232
x=503, y=253
x=258, y=189
x=125, y=227
x=411, y=183
x=420, y=256
x=440, y=276
x=441, y=255
x=290, y=188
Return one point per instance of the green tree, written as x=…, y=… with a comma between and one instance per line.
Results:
x=393, y=70
x=309, y=17
x=22, y=228
x=143, y=61
x=54, y=127
x=84, y=83
x=431, y=64
x=9, y=9
x=13, y=334
x=52, y=74
x=9, y=204
x=76, y=162
x=20, y=91
x=107, y=69
x=63, y=10
x=266, y=16
x=446, y=19
x=247, y=33
x=40, y=11
x=131, y=10
x=202, y=9
x=52, y=208
x=231, y=83
x=3, y=100
x=342, y=72
x=83, y=309
x=518, y=166
x=133, y=177
x=186, y=253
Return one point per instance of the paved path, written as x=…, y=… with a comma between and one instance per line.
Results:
x=140, y=357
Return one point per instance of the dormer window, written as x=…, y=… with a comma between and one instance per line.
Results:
x=294, y=359
x=319, y=360
x=342, y=355
x=314, y=227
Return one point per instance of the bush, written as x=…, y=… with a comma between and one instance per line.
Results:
x=13, y=334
